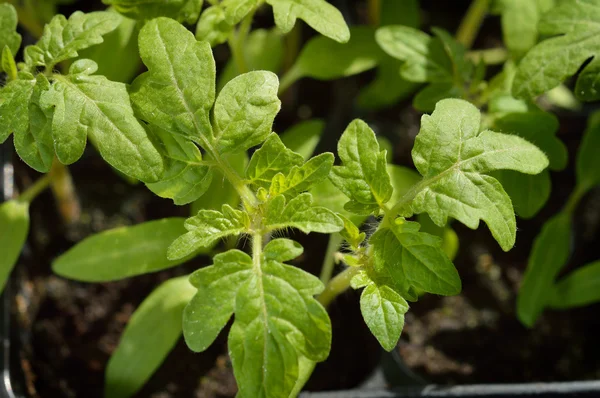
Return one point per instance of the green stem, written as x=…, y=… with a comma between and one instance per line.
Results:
x=290, y=77
x=337, y=285
x=490, y=56
x=471, y=23
x=329, y=261
x=248, y=198
x=64, y=192
x=38, y=187
x=374, y=12
x=574, y=199
x=237, y=41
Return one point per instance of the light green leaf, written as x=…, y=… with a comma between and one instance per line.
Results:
x=579, y=288
x=528, y=193
x=405, y=258
x=34, y=144
x=236, y=10
x=450, y=242
x=8, y=30
x=383, y=310
x=213, y=26
x=363, y=177
x=282, y=250
x=272, y=158
x=263, y=50
x=351, y=233
x=181, y=10
x=302, y=214
x=450, y=152
x=402, y=179
x=277, y=320
x=14, y=103
x=318, y=14
x=63, y=38
x=121, y=252
x=300, y=179
x=207, y=227
x=178, y=91
x=150, y=335
x=186, y=178
x=324, y=59
x=303, y=137
x=14, y=225
x=118, y=56
x=425, y=59
x=245, y=110
x=85, y=106
x=427, y=98
x=550, y=253
x=550, y=62
x=588, y=161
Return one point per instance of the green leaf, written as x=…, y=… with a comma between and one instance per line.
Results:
x=351, y=233
x=282, y=250
x=207, y=227
x=14, y=103
x=383, y=310
x=402, y=179
x=245, y=110
x=181, y=10
x=178, y=91
x=452, y=156
x=300, y=179
x=519, y=23
x=8, y=30
x=150, y=335
x=363, y=177
x=528, y=193
x=550, y=253
x=405, y=12
x=427, y=98
x=236, y=10
x=263, y=50
x=387, y=88
x=7, y=64
x=304, y=137
x=118, y=56
x=34, y=144
x=272, y=158
x=85, y=106
x=579, y=288
x=405, y=258
x=14, y=219
x=63, y=38
x=121, y=252
x=318, y=14
x=550, y=62
x=277, y=320
x=186, y=178
x=325, y=59
x=450, y=242
x=302, y=214
x=213, y=26
x=588, y=162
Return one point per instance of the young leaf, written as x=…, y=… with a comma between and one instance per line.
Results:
x=363, y=176
x=277, y=320
x=550, y=62
x=383, y=310
x=450, y=152
x=588, y=161
x=272, y=158
x=245, y=110
x=63, y=38
x=178, y=91
x=303, y=137
x=236, y=10
x=186, y=178
x=150, y=335
x=580, y=287
x=351, y=233
x=7, y=64
x=14, y=219
x=85, y=106
x=121, y=252
x=207, y=227
x=213, y=26
x=318, y=14
x=181, y=10
x=263, y=50
x=302, y=214
x=405, y=258
x=282, y=250
x=300, y=179
x=550, y=253
x=324, y=59
x=8, y=30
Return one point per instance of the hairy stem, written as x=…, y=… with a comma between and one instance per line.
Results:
x=64, y=192
x=471, y=23
x=337, y=285
x=329, y=261
x=34, y=190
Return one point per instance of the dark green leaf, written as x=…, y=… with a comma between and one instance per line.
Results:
x=588, y=161
x=580, y=287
